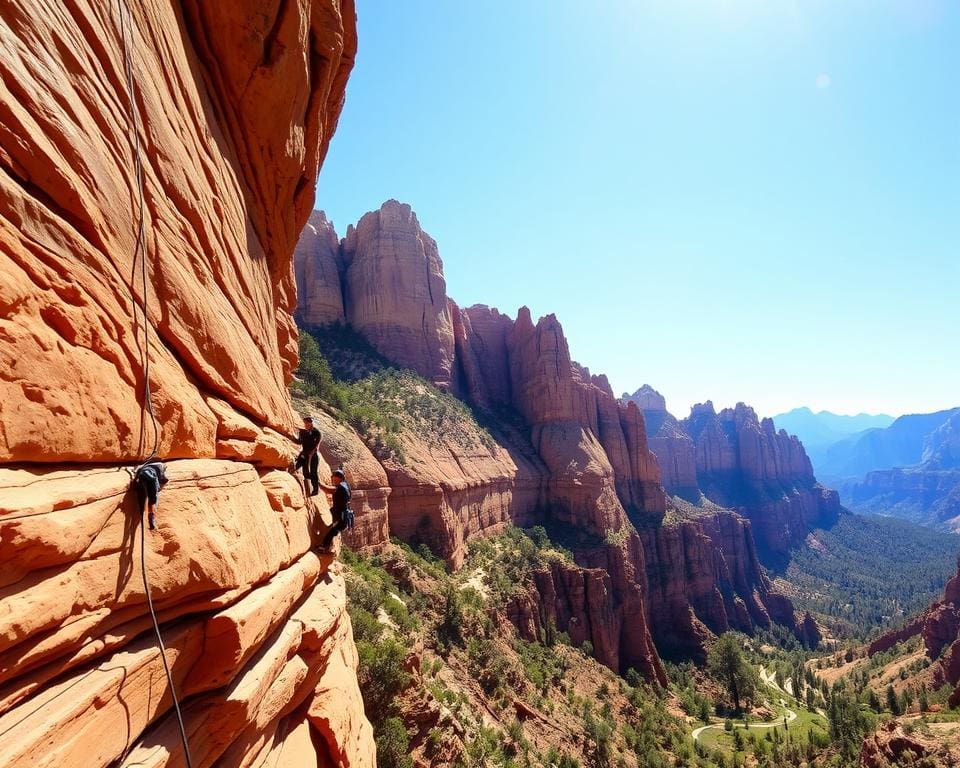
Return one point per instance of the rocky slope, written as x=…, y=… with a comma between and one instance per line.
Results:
x=740, y=462
x=939, y=629
x=234, y=106
x=566, y=453
x=892, y=745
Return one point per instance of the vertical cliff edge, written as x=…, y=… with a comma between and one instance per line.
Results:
x=185, y=272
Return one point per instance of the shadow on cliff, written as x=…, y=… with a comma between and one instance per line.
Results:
x=131, y=507
x=777, y=562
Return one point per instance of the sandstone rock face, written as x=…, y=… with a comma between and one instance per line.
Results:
x=939, y=626
x=481, y=349
x=341, y=447
x=396, y=293
x=386, y=279
x=318, y=263
x=647, y=399
x=739, y=461
x=235, y=109
x=578, y=601
x=674, y=448
x=704, y=575
x=450, y=488
x=255, y=625
x=925, y=496
x=234, y=105
x=891, y=746
x=809, y=631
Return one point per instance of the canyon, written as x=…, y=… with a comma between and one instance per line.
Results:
x=157, y=163
x=655, y=574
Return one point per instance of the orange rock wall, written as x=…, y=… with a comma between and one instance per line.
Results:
x=234, y=106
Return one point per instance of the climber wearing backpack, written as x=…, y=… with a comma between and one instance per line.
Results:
x=340, y=509
x=149, y=479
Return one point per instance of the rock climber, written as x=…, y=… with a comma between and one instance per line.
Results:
x=309, y=458
x=340, y=492
x=150, y=478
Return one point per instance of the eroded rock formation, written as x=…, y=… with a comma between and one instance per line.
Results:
x=234, y=104
x=389, y=274
x=736, y=460
x=566, y=452
x=704, y=576
x=318, y=263
x=893, y=745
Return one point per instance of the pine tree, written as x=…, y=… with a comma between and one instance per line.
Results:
x=727, y=665
x=893, y=703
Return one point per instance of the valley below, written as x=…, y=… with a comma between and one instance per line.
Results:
x=521, y=531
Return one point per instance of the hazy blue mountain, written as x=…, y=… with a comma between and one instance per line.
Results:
x=824, y=428
x=902, y=444
x=910, y=469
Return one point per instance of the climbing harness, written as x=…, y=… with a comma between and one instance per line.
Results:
x=140, y=251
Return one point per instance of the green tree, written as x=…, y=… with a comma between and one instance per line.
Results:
x=450, y=628
x=847, y=723
x=893, y=703
x=393, y=745
x=727, y=664
x=738, y=742
x=381, y=676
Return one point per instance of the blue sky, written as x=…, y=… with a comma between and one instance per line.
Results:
x=752, y=200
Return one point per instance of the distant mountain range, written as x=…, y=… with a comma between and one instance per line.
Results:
x=824, y=428
x=907, y=442
x=909, y=468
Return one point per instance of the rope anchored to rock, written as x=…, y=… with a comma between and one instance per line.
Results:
x=150, y=476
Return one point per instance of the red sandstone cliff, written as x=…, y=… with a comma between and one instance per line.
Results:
x=396, y=293
x=739, y=461
x=674, y=449
x=581, y=461
x=234, y=106
x=939, y=626
x=318, y=263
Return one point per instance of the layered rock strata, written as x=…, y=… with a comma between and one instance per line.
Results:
x=675, y=451
x=233, y=107
x=736, y=460
x=567, y=453
x=389, y=274
x=925, y=491
x=704, y=577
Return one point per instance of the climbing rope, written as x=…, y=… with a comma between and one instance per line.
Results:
x=140, y=246
x=163, y=649
x=113, y=494
x=140, y=251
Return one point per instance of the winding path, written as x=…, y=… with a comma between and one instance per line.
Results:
x=791, y=716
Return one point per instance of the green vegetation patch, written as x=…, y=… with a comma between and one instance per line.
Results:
x=868, y=574
x=342, y=373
